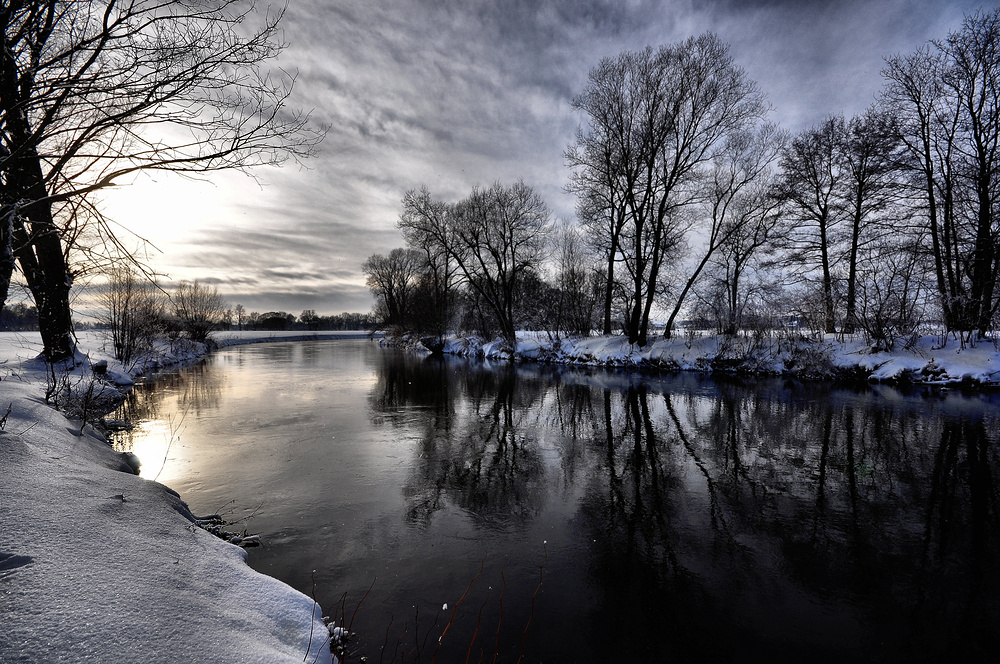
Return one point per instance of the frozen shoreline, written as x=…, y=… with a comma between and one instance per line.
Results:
x=98, y=564
x=927, y=362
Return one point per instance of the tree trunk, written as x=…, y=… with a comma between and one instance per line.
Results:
x=982, y=262
x=851, y=320
x=609, y=290
x=828, y=310
x=633, y=322
x=39, y=251
x=43, y=264
x=6, y=254
x=36, y=242
x=938, y=251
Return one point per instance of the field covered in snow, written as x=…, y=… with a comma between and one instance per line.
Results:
x=97, y=564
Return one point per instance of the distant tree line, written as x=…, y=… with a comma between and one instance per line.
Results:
x=137, y=313
x=238, y=318
x=691, y=203
x=18, y=317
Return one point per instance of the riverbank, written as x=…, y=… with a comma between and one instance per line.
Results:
x=931, y=360
x=97, y=564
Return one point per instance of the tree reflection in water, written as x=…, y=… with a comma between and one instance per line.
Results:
x=730, y=519
x=192, y=391
x=476, y=451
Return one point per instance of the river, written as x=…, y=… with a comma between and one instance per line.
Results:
x=558, y=514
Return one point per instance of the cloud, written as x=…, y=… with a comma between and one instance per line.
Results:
x=451, y=93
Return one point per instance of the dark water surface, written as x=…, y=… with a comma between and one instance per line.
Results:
x=668, y=519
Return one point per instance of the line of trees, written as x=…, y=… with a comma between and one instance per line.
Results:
x=240, y=319
x=477, y=264
x=689, y=200
x=136, y=313
x=18, y=317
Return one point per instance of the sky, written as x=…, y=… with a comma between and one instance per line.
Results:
x=451, y=94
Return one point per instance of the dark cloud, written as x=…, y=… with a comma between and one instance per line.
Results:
x=452, y=93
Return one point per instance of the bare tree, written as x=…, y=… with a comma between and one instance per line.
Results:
x=576, y=292
x=869, y=188
x=973, y=80
x=945, y=100
x=891, y=285
x=391, y=279
x=492, y=242
x=133, y=309
x=310, y=319
x=241, y=315
x=198, y=308
x=605, y=168
x=737, y=200
x=498, y=237
x=740, y=267
x=93, y=91
x=425, y=225
x=926, y=124
x=813, y=171
x=655, y=118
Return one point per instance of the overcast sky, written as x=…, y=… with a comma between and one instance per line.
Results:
x=453, y=93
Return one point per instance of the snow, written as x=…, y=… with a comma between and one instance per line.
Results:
x=99, y=565
x=931, y=360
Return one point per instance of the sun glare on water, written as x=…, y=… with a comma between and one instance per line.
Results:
x=156, y=444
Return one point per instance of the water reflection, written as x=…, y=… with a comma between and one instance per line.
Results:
x=685, y=519
x=476, y=451
x=153, y=429
x=729, y=519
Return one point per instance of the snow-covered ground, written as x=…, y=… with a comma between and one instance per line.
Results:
x=99, y=565
x=932, y=360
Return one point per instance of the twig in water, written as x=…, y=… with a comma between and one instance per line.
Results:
x=385, y=642
x=416, y=632
x=248, y=516
x=428, y=633
x=173, y=436
x=320, y=649
x=482, y=565
x=475, y=633
x=399, y=641
x=231, y=502
x=503, y=587
x=365, y=596
x=312, y=621
x=541, y=572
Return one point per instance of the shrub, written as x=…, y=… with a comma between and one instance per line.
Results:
x=132, y=308
x=198, y=309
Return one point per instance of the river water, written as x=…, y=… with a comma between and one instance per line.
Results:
x=580, y=515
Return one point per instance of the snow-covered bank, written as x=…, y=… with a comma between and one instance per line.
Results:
x=99, y=565
x=932, y=360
